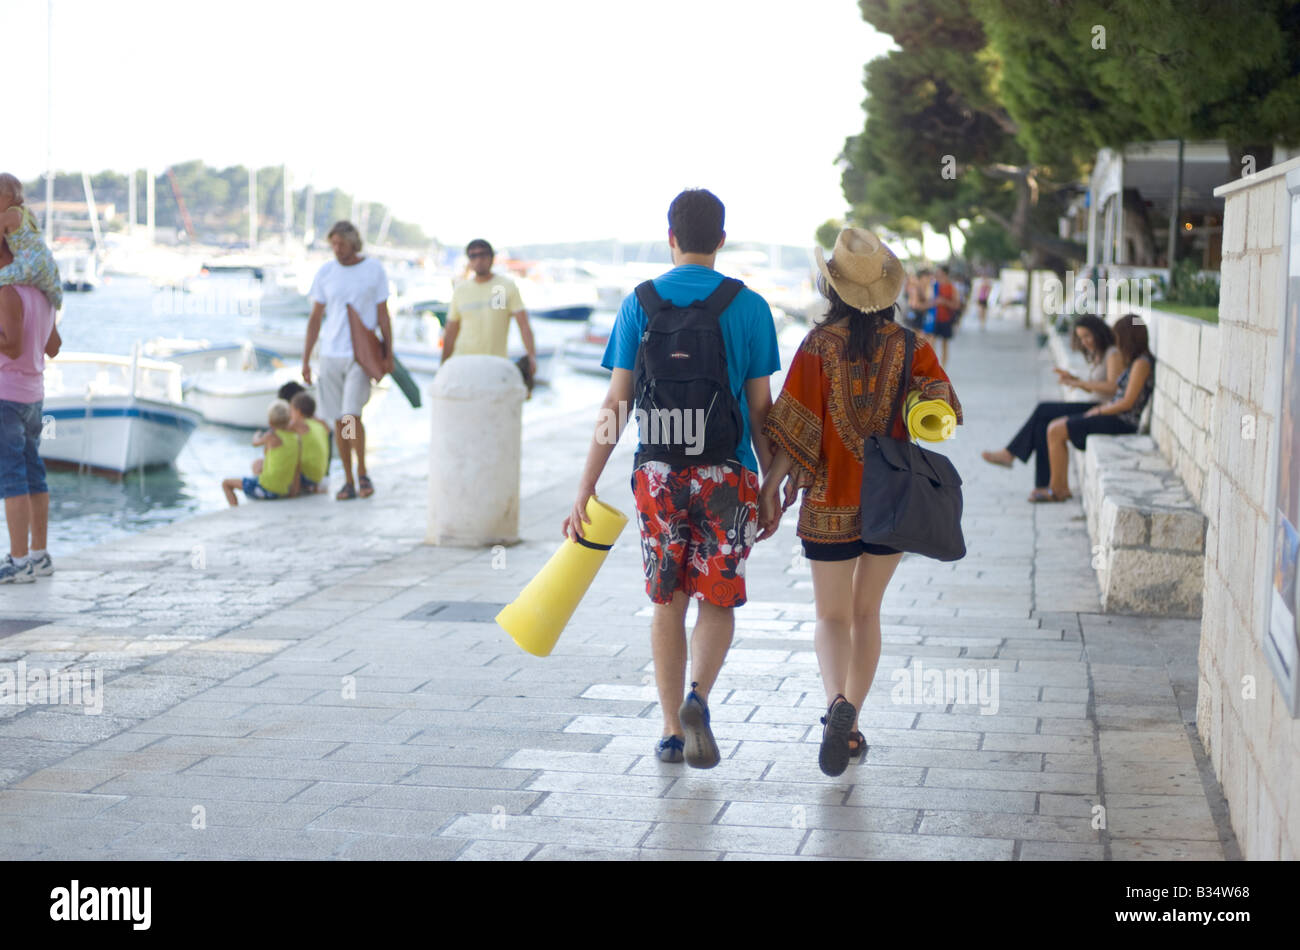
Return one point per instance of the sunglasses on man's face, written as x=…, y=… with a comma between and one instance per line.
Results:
x=474, y=254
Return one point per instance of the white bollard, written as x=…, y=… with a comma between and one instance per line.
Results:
x=474, y=452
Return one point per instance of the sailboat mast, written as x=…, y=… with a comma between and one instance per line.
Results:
x=49, y=120
x=252, y=207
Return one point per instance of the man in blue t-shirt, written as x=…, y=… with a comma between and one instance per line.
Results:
x=697, y=522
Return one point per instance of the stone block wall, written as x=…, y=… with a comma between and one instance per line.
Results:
x=1253, y=742
x=1182, y=409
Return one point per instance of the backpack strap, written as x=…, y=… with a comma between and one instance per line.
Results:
x=723, y=295
x=905, y=381
x=650, y=300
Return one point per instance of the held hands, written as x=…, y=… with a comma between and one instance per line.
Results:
x=769, y=511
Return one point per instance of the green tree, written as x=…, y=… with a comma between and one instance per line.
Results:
x=828, y=231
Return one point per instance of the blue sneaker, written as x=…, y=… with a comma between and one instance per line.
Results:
x=11, y=573
x=669, y=749
x=701, y=750
x=42, y=566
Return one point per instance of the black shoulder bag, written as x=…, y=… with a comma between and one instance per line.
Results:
x=911, y=497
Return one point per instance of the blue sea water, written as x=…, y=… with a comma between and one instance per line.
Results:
x=88, y=509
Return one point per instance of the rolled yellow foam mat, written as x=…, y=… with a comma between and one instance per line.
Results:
x=540, y=613
x=930, y=420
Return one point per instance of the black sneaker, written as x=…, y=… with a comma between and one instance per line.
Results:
x=701, y=750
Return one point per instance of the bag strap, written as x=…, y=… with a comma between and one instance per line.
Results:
x=650, y=300
x=722, y=296
x=901, y=398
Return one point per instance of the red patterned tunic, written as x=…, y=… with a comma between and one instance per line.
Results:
x=829, y=406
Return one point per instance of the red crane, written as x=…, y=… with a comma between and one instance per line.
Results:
x=180, y=203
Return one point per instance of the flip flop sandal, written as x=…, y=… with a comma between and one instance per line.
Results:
x=858, y=746
x=367, y=489
x=347, y=492
x=1046, y=495
x=834, y=755
x=670, y=748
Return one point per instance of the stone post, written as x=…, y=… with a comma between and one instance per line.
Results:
x=474, y=452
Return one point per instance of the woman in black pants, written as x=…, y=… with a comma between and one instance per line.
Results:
x=1097, y=341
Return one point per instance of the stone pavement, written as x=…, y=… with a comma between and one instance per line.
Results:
x=277, y=686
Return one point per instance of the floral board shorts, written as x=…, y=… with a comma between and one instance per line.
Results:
x=697, y=527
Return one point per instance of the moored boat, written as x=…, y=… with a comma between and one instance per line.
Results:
x=113, y=413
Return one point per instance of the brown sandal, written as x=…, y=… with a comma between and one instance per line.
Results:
x=1039, y=495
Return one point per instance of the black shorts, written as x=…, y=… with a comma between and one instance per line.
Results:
x=845, y=551
x=943, y=330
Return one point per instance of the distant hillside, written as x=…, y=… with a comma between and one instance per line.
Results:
x=788, y=256
x=217, y=202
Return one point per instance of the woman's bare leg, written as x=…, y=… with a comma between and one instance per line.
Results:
x=833, y=593
x=870, y=579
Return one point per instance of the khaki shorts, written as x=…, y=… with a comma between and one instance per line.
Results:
x=343, y=387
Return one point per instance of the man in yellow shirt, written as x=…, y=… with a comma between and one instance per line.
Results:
x=478, y=320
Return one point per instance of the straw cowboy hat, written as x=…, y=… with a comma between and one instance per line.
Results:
x=864, y=272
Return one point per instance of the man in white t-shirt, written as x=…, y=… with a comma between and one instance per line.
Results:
x=344, y=386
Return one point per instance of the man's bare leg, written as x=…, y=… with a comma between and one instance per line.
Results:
x=668, y=645
x=40, y=519
x=18, y=515
x=710, y=641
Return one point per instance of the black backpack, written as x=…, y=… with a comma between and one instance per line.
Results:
x=686, y=411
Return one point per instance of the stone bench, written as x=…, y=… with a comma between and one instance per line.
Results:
x=1148, y=534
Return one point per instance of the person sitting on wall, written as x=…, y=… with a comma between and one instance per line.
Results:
x=1097, y=341
x=1119, y=416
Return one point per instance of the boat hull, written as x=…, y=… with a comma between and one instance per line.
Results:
x=115, y=434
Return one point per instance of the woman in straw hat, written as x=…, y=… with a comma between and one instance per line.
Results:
x=840, y=389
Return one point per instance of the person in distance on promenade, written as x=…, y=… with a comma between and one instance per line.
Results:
x=344, y=386
x=478, y=318
x=697, y=513
x=841, y=389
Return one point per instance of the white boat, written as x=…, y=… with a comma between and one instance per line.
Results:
x=235, y=397
x=584, y=353
x=286, y=344
x=114, y=413
x=200, y=356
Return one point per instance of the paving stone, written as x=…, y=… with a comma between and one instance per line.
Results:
x=1021, y=827
x=1059, y=851
x=629, y=808
x=1153, y=850
x=874, y=846
x=547, y=830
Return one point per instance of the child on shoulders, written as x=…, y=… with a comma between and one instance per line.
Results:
x=33, y=262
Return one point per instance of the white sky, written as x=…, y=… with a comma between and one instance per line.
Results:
x=520, y=121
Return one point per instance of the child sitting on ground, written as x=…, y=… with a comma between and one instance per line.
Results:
x=276, y=474
x=33, y=263
x=315, y=437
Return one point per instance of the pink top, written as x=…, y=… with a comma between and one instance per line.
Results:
x=23, y=379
